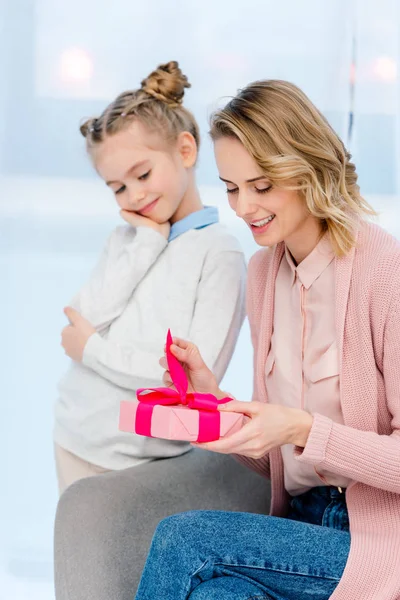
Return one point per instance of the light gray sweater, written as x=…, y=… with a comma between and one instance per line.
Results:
x=142, y=286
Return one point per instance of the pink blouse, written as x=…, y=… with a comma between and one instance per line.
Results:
x=302, y=367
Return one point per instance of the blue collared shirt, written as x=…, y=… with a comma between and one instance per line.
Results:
x=197, y=220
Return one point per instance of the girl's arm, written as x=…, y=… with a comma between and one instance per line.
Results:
x=220, y=309
x=129, y=254
x=217, y=319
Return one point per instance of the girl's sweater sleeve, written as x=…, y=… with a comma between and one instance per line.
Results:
x=217, y=319
x=126, y=259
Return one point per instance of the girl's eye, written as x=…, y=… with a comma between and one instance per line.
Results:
x=144, y=176
x=232, y=191
x=120, y=190
x=264, y=190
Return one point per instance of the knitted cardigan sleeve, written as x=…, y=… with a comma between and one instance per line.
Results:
x=364, y=456
x=254, y=302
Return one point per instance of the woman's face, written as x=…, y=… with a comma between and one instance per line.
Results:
x=273, y=214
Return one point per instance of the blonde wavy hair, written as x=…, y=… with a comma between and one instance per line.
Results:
x=297, y=149
x=157, y=104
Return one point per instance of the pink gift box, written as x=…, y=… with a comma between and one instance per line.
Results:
x=175, y=414
x=176, y=422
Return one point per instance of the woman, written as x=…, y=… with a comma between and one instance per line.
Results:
x=324, y=422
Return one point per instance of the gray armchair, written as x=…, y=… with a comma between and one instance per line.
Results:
x=104, y=524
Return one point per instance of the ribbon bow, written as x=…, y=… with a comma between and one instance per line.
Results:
x=206, y=404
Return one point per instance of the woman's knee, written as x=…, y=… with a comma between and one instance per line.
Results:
x=183, y=529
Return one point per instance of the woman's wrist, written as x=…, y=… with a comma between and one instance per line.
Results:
x=300, y=428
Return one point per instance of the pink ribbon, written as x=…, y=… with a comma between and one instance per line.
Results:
x=206, y=404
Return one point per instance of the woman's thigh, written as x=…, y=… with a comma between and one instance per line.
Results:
x=277, y=558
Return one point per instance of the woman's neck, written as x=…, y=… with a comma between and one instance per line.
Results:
x=303, y=241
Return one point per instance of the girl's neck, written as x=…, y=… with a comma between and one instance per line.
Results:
x=191, y=202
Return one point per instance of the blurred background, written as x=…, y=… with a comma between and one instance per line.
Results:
x=62, y=61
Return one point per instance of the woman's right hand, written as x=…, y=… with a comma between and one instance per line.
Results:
x=200, y=378
x=137, y=220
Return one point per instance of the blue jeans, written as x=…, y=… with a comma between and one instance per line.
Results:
x=211, y=555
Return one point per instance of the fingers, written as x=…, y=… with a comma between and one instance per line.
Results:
x=246, y=443
x=177, y=344
x=129, y=216
x=163, y=362
x=72, y=315
x=180, y=353
x=184, y=344
x=134, y=219
x=167, y=378
x=232, y=443
x=65, y=335
x=189, y=355
x=245, y=408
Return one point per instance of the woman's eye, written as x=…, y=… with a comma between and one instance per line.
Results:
x=120, y=190
x=144, y=176
x=232, y=191
x=264, y=190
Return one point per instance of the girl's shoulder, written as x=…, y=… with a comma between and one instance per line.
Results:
x=216, y=238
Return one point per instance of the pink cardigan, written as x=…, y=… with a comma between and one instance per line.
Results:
x=366, y=448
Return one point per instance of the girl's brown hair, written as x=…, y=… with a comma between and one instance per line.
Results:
x=157, y=104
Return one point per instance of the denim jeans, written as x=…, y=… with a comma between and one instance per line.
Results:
x=211, y=555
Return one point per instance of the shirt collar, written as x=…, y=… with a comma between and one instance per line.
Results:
x=197, y=220
x=314, y=264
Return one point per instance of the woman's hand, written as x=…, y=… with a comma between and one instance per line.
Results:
x=268, y=426
x=137, y=220
x=74, y=337
x=200, y=378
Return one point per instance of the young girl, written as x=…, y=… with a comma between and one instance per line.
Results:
x=324, y=422
x=172, y=266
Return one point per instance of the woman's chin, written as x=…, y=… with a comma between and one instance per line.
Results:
x=266, y=239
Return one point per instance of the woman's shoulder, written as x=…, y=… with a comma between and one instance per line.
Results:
x=376, y=267
x=259, y=269
x=260, y=262
x=378, y=249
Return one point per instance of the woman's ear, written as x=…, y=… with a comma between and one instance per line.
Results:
x=187, y=149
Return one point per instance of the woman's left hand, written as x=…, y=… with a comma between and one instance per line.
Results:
x=267, y=426
x=74, y=337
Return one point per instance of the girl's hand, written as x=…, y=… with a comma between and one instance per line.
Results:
x=137, y=220
x=267, y=426
x=200, y=378
x=74, y=337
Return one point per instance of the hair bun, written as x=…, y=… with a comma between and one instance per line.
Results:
x=85, y=127
x=167, y=83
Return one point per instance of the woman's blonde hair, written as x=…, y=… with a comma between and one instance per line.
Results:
x=157, y=104
x=296, y=148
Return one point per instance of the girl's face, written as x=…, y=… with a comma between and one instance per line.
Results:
x=272, y=214
x=147, y=176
